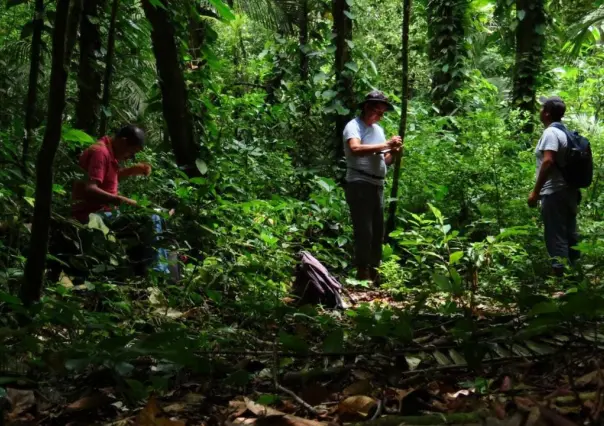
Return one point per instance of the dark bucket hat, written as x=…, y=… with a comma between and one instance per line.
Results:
x=376, y=96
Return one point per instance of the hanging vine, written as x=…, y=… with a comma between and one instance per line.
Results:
x=446, y=32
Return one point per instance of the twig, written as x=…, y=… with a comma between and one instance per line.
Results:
x=278, y=387
x=379, y=409
x=298, y=399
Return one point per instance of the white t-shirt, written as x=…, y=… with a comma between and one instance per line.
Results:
x=552, y=140
x=372, y=164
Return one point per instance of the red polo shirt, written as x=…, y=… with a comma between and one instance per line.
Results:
x=100, y=165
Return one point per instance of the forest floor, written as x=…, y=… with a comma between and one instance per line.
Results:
x=535, y=380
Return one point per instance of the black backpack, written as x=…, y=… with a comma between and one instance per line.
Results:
x=579, y=168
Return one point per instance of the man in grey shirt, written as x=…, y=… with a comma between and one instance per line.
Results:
x=559, y=201
x=367, y=154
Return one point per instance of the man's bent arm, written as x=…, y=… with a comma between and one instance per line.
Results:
x=548, y=163
x=92, y=192
x=125, y=172
x=135, y=170
x=360, y=150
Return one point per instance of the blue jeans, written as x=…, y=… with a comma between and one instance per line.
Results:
x=559, y=213
x=135, y=225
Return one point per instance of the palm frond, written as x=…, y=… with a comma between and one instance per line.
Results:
x=281, y=15
x=585, y=28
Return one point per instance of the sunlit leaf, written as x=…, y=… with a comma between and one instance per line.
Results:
x=223, y=10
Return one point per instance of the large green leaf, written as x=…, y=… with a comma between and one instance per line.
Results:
x=223, y=10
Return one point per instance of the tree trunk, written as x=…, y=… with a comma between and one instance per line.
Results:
x=32, y=91
x=391, y=222
x=108, y=68
x=343, y=33
x=34, y=269
x=89, y=74
x=303, y=39
x=173, y=88
x=73, y=23
x=446, y=19
x=530, y=42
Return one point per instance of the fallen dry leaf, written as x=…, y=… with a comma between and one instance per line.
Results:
x=398, y=394
x=524, y=403
x=89, y=403
x=533, y=417
x=237, y=408
x=358, y=388
x=177, y=407
x=20, y=401
x=261, y=410
x=359, y=404
x=589, y=379
x=195, y=398
x=269, y=416
x=242, y=421
x=152, y=415
x=362, y=374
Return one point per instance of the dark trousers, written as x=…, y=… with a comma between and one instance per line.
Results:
x=559, y=213
x=366, y=203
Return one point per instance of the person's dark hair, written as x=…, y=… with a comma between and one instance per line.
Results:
x=555, y=107
x=134, y=135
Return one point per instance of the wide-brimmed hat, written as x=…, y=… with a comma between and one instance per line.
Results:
x=376, y=96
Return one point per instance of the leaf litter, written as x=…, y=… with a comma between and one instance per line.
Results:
x=431, y=380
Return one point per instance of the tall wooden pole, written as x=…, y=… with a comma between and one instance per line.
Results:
x=391, y=222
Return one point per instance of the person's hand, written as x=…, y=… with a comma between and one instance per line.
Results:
x=394, y=142
x=141, y=169
x=128, y=201
x=533, y=199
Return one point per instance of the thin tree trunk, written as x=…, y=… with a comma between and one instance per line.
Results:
x=391, y=222
x=89, y=74
x=108, y=68
x=303, y=39
x=173, y=88
x=73, y=23
x=343, y=34
x=32, y=91
x=31, y=288
x=530, y=43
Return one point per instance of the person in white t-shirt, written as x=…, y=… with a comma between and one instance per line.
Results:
x=367, y=155
x=559, y=201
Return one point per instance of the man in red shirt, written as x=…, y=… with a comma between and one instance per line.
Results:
x=99, y=192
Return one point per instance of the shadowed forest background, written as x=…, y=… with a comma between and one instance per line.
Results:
x=243, y=104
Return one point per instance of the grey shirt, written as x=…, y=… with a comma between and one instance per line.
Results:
x=373, y=164
x=552, y=140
